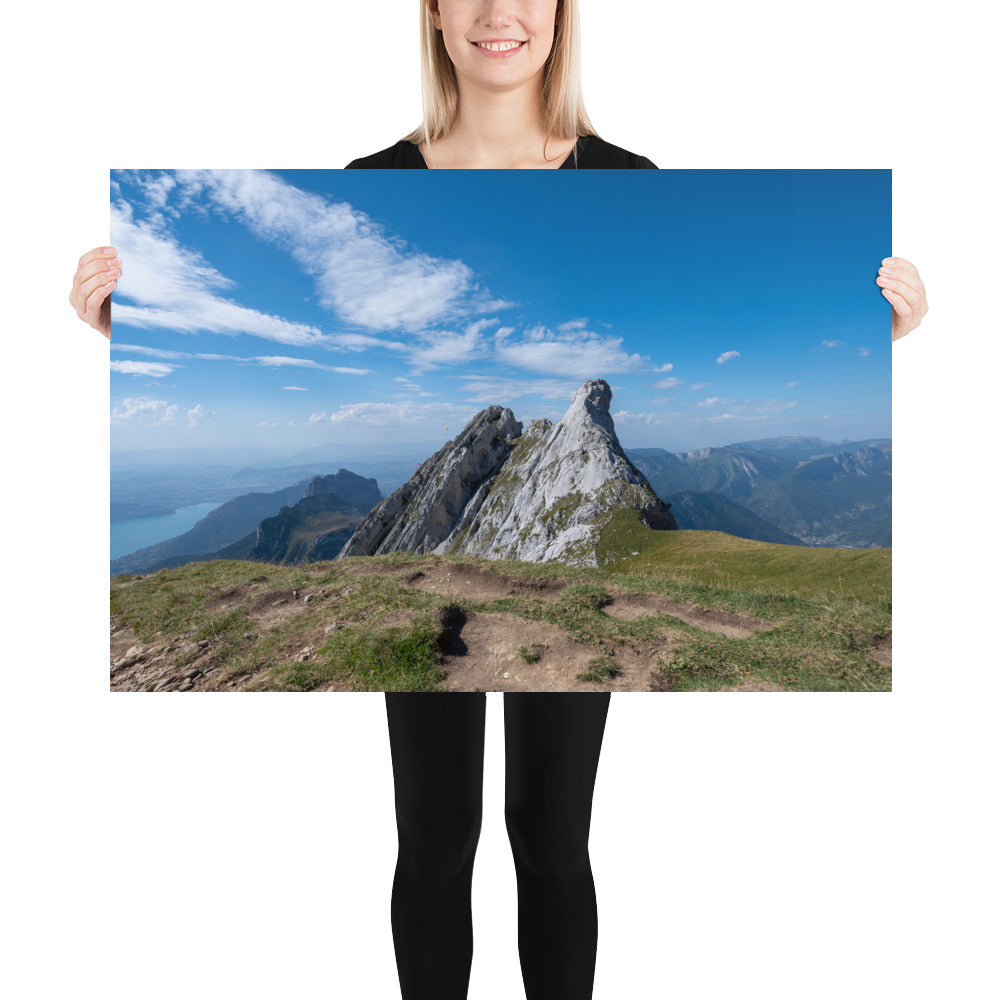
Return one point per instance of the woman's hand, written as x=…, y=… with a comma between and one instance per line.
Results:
x=95, y=279
x=902, y=286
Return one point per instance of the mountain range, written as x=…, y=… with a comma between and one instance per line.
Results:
x=542, y=493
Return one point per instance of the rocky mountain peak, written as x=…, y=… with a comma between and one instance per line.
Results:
x=496, y=493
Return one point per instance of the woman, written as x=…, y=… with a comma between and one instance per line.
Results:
x=501, y=89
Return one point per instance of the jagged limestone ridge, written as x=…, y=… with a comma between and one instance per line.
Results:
x=424, y=510
x=555, y=491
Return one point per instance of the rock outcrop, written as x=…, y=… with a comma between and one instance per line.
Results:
x=496, y=493
x=422, y=513
x=357, y=490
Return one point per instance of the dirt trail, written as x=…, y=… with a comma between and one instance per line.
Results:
x=483, y=654
x=475, y=584
x=631, y=606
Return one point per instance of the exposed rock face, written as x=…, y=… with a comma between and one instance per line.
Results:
x=423, y=512
x=362, y=493
x=544, y=495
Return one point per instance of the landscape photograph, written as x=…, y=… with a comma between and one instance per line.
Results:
x=500, y=431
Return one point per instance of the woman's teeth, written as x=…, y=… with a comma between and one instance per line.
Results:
x=498, y=46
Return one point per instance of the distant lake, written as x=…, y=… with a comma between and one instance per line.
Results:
x=127, y=536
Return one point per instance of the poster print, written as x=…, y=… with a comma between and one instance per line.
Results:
x=490, y=430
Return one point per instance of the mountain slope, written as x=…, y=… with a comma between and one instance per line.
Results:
x=696, y=511
x=831, y=501
x=732, y=471
x=234, y=520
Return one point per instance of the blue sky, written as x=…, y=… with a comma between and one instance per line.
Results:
x=290, y=309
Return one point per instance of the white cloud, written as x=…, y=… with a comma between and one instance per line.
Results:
x=623, y=417
x=668, y=383
x=833, y=343
x=280, y=362
x=157, y=412
x=267, y=361
x=150, y=369
x=573, y=353
x=199, y=415
x=487, y=389
x=727, y=356
x=445, y=347
x=144, y=411
x=365, y=274
x=700, y=385
x=792, y=385
x=174, y=287
x=864, y=352
x=443, y=416
x=664, y=368
x=294, y=388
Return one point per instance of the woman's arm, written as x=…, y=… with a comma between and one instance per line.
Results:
x=95, y=279
x=902, y=286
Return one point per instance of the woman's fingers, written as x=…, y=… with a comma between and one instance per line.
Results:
x=900, y=287
x=98, y=253
x=96, y=276
x=903, y=289
x=85, y=288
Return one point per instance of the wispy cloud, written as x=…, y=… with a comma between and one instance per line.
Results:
x=150, y=369
x=280, y=362
x=267, y=361
x=752, y=409
x=487, y=389
x=727, y=356
x=174, y=287
x=439, y=348
x=443, y=416
x=624, y=418
x=832, y=343
x=364, y=274
x=668, y=383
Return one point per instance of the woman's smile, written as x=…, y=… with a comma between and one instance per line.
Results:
x=498, y=48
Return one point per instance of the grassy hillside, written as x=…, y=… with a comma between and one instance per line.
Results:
x=667, y=611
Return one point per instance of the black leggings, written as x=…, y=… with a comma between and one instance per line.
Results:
x=553, y=742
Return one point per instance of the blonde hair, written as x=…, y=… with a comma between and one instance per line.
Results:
x=562, y=93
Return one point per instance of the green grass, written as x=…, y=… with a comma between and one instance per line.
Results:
x=391, y=659
x=724, y=562
x=599, y=669
x=826, y=608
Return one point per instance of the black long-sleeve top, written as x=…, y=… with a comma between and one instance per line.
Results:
x=590, y=152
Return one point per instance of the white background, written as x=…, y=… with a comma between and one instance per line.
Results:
x=768, y=846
